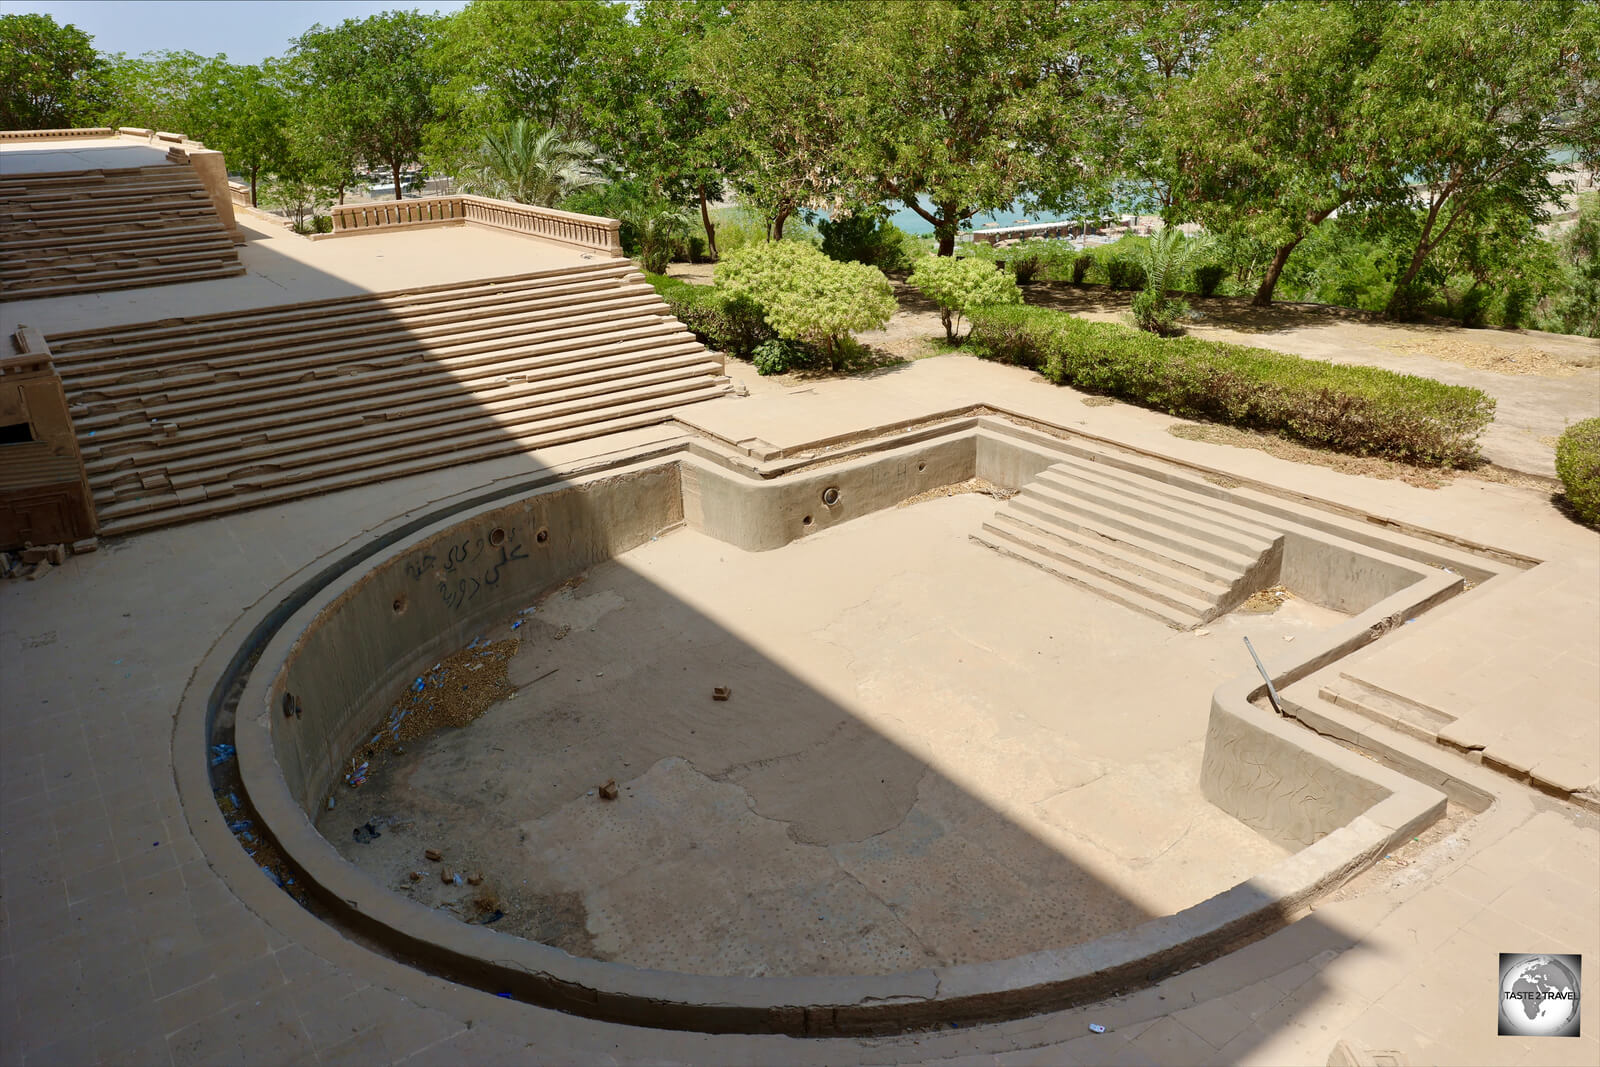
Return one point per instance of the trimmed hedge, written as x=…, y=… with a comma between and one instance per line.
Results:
x=1363, y=410
x=1578, y=465
x=731, y=324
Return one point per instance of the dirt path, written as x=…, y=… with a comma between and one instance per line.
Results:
x=1541, y=382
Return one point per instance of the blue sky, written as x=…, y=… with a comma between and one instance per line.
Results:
x=247, y=31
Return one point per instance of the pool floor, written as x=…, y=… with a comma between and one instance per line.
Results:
x=931, y=754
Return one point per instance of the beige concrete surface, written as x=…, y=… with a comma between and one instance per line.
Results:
x=120, y=944
x=282, y=267
x=80, y=153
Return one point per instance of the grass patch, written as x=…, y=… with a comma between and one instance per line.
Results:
x=1363, y=411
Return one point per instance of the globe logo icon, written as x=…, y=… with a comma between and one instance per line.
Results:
x=1539, y=995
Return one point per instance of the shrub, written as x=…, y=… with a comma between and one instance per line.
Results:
x=1207, y=276
x=867, y=237
x=1080, y=267
x=1125, y=273
x=731, y=324
x=959, y=285
x=779, y=356
x=1026, y=259
x=1578, y=465
x=1364, y=410
x=806, y=296
x=1158, y=313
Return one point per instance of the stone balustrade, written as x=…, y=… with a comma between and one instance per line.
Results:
x=55, y=135
x=584, y=231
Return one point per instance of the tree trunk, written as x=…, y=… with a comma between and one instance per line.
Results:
x=945, y=227
x=1425, y=244
x=253, y=172
x=395, y=169
x=778, y=221
x=1392, y=308
x=711, y=227
x=1263, y=297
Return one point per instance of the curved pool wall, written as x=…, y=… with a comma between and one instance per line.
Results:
x=339, y=658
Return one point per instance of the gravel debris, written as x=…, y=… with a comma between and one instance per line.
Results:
x=1481, y=356
x=971, y=485
x=457, y=690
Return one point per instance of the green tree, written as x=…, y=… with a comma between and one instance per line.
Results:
x=959, y=285
x=156, y=91
x=806, y=296
x=777, y=69
x=1578, y=310
x=657, y=124
x=48, y=74
x=1480, y=96
x=521, y=162
x=1279, y=129
x=500, y=60
x=956, y=108
x=1146, y=51
x=244, y=113
x=369, y=88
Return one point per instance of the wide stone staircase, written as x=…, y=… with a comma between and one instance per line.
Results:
x=1168, y=552
x=185, y=418
x=93, y=231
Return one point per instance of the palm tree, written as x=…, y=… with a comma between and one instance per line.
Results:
x=1167, y=254
x=530, y=165
x=1165, y=258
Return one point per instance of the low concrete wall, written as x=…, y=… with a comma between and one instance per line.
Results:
x=389, y=623
x=1340, y=575
x=1285, y=783
x=761, y=515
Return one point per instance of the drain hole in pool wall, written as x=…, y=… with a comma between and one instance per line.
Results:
x=806, y=521
x=497, y=537
x=400, y=604
x=830, y=496
x=922, y=466
x=542, y=536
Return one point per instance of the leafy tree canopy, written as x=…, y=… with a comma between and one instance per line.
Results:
x=48, y=74
x=368, y=83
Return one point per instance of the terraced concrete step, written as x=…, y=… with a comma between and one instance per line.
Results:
x=1118, y=524
x=170, y=339
x=123, y=279
x=98, y=237
x=368, y=429
x=117, y=259
x=357, y=344
x=1157, y=502
x=271, y=484
x=67, y=234
x=1217, y=566
x=192, y=509
x=479, y=362
x=1006, y=544
x=1110, y=529
x=1158, y=577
